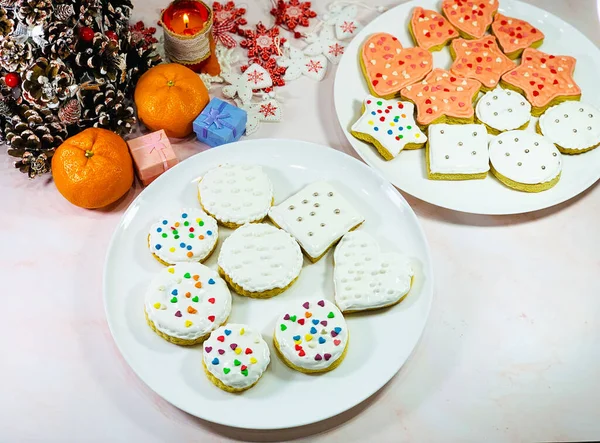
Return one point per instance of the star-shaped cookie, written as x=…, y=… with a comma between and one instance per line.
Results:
x=544, y=79
x=514, y=35
x=443, y=97
x=430, y=30
x=471, y=18
x=481, y=60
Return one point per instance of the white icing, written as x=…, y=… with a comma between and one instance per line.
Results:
x=569, y=125
x=260, y=257
x=503, y=110
x=241, y=343
x=236, y=193
x=366, y=278
x=177, y=291
x=172, y=241
x=309, y=326
x=458, y=149
x=398, y=128
x=317, y=217
x=531, y=158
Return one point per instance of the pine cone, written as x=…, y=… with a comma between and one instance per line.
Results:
x=34, y=12
x=33, y=135
x=64, y=13
x=47, y=83
x=140, y=57
x=14, y=56
x=70, y=113
x=111, y=14
x=104, y=107
x=103, y=60
x=7, y=3
x=7, y=24
x=61, y=41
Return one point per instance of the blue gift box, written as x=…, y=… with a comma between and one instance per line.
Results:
x=220, y=123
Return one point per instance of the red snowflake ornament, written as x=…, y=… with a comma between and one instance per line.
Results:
x=291, y=14
x=267, y=110
x=275, y=71
x=139, y=32
x=262, y=43
x=228, y=11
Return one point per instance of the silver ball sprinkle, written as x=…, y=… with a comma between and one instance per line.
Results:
x=299, y=219
x=316, y=194
x=330, y=194
x=508, y=154
x=519, y=164
x=580, y=109
x=526, y=151
x=447, y=157
x=322, y=225
x=291, y=208
x=474, y=153
x=499, y=142
x=554, y=154
x=536, y=144
x=337, y=211
x=441, y=131
x=310, y=234
x=316, y=205
x=509, y=110
x=304, y=201
x=495, y=114
x=495, y=97
x=575, y=130
x=460, y=143
x=543, y=167
x=566, y=116
x=312, y=214
x=590, y=115
x=516, y=139
x=589, y=128
x=556, y=121
x=507, y=92
x=522, y=103
x=488, y=103
x=474, y=134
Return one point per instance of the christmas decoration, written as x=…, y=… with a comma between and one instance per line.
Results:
x=254, y=77
x=268, y=110
x=221, y=33
x=229, y=11
x=152, y=155
x=67, y=65
x=343, y=19
x=262, y=43
x=325, y=43
x=291, y=14
x=298, y=64
x=220, y=123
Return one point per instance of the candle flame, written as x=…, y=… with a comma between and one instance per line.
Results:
x=186, y=20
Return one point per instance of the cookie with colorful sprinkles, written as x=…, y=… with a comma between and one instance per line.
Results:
x=188, y=235
x=389, y=125
x=515, y=35
x=234, y=357
x=260, y=261
x=430, y=30
x=236, y=194
x=472, y=18
x=186, y=302
x=312, y=337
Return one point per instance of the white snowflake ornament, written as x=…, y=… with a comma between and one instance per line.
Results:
x=255, y=77
x=268, y=110
x=343, y=21
x=298, y=64
x=325, y=44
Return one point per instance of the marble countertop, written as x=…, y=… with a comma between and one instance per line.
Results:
x=511, y=351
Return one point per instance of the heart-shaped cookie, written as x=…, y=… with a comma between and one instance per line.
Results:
x=388, y=67
x=365, y=278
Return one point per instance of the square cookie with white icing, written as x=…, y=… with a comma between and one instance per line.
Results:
x=317, y=217
x=457, y=152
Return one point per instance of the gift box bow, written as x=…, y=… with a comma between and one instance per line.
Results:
x=216, y=117
x=154, y=143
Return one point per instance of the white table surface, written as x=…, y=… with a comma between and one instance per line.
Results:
x=511, y=351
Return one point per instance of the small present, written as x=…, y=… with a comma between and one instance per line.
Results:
x=220, y=123
x=152, y=155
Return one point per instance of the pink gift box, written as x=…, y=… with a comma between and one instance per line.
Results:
x=152, y=155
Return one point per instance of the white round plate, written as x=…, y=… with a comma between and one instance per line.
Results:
x=381, y=340
x=489, y=196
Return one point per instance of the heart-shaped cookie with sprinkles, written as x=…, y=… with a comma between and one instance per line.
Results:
x=515, y=35
x=471, y=17
x=388, y=67
x=430, y=30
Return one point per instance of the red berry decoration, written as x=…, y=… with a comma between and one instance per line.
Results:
x=112, y=35
x=86, y=34
x=12, y=79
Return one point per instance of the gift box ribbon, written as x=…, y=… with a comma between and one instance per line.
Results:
x=216, y=117
x=155, y=144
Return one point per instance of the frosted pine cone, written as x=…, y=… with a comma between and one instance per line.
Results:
x=47, y=83
x=7, y=24
x=14, y=56
x=34, y=12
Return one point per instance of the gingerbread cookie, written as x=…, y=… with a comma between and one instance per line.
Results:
x=546, y=80
x=514, y=35
x=481, y=60
x=471, y=18
x=525, y=161
x=260, y=261
x=185, y=302
x=312, y=337
x=574, y=127
x=189, y=235
x=234, y=357
x=365, y=278
x=388, y=67
x=430, y=30
x=317, y=217
x=443, y=97
x=457, y=152
x=389, y=125
x=236, y=194
x=503, y=110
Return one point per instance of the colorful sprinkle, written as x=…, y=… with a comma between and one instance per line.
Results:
x=196, y=277
x=188, y=294
x=211, y=318
x=253, y=360
x=171, y=270
x=286, y=317
x=157, y=247
x=308, y=337
x=212, y=302
x=324, y=322
x=211, y=281
x=233, y=346
x=248, y=351
x=174, y=300
x=184, y=215
x=221, y=351
x=178, y=314
x=337, y=342
x=172, y=249
x=302, y=353
x=176, y=237
x=157, y=305
x=174, y=292
x=237, y=362
x=245, y=372
x=198, y=284
x=221, y=338
x=330, y=315
x=227, y=331
x=296, y=337
x=188, y=323
x=186, y=223
x=244, y=367
x=334, y=334
x=321, y=340
x=164, y=235
x=283, y=327
x=293, y=318
x=208, y=349
x=208, y=232
x=195, y=299
x=301, y=321
x=318, y=357
x=226, y=370
x=189, y=247
x=165, y=222
x=159, y=230
x=313, y=330
x=191, y=235
x=238, y=351
x=315, y=321
x=201, y=237
x=327, y=356
x=191, y=310
x=176, y=224
x=308, y=314
x=242, y=331
x=187, y=275
x=215, y=361
x=200, y=223
x=182, y=245
x=337, y=329
x=306, y=305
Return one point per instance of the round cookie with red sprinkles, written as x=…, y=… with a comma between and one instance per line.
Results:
x=188, y=235
x=312, y=337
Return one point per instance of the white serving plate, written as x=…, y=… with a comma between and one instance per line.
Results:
x=381, y=341
x=489, y=196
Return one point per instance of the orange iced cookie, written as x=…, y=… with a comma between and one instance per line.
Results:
x=443, y=97
x=544, y=79
x=388, y=67
x=481, y=60
x=471, y=18
x=430, y=30
x=515, y=35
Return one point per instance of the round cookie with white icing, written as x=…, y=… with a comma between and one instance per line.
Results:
x=236, y=194
x=365, y=278
x=186, y=302
x=312, y=337
x=260, y=260
x=235, y=357
x=503, y=110
x=525, y=161
x=188, y=235
x=574, y=127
